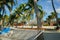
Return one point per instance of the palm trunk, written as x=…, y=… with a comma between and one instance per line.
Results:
x=37, y=15
x=0, y=25
x=9, y=24
x=13, y=24
x=55, y=13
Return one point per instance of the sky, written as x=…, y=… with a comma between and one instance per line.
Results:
x=46, y=6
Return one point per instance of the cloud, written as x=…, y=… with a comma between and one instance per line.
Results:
x=58, y=10
x=49, y=1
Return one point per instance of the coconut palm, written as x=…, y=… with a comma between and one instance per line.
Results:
x=4, y=4
x=28, y=9
x=14, y=16
x=8, y=3
x=23, y=13
x=55, y=12
x=38, y=14
x=18, y=13
x=53, y=16
x=32, y=4
x=49, y=19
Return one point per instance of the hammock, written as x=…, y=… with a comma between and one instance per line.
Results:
x=5, y=30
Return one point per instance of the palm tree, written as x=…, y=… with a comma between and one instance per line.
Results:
x=55, y=13
x=26, y=16
x=18, y=13
x=29, y=8
x=14, y=16
x=49, y=19
x=37, y=14
x=6, y=3
x=32, y=4
x=53, y=16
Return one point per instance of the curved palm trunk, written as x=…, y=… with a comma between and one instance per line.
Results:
x=39, y=25
x=37, y=15
x=55, y=13
x=2, y=25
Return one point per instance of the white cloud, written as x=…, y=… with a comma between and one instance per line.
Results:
x=58, y=10
x=49, y=1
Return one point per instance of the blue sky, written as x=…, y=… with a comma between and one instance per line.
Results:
x=46, y=5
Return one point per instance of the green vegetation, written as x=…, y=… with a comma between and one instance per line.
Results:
x=3, y=3
x=55, y=13
x=24, y=13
